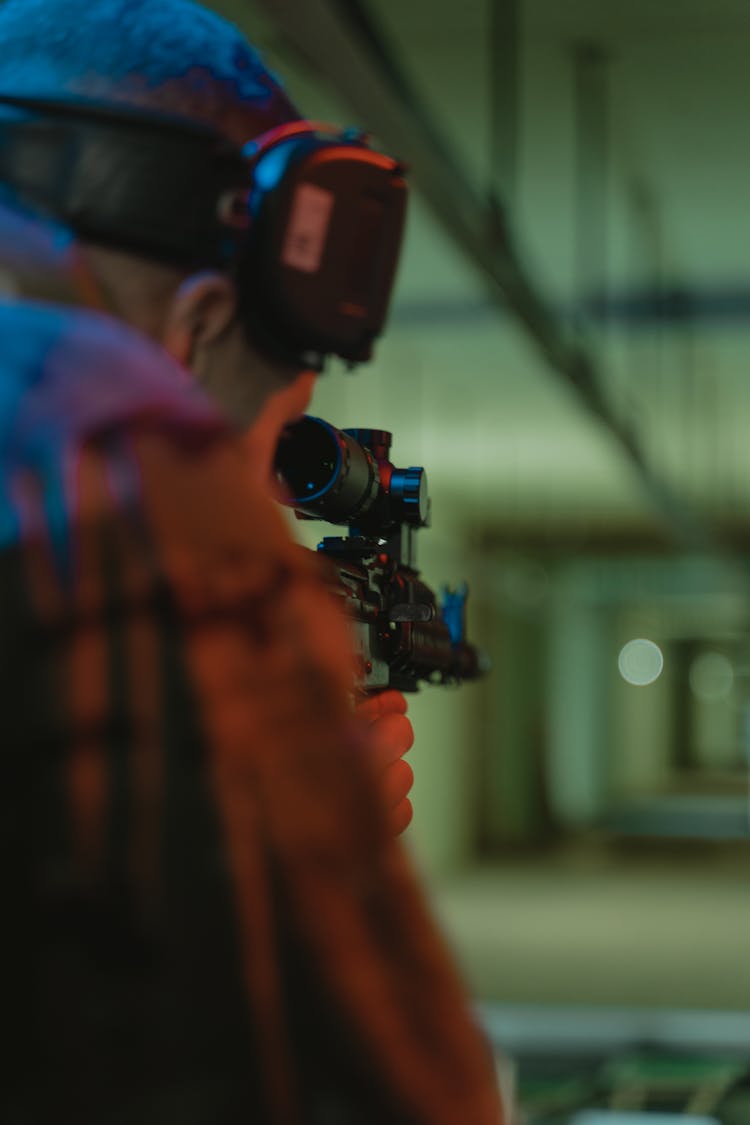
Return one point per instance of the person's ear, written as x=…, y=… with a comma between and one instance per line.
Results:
x=199, y=313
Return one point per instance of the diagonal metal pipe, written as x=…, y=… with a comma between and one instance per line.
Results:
x=339, y=40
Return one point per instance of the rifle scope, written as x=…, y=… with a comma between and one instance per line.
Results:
x=345, y=476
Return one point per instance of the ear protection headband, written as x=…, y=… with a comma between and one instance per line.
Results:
x=306, y=218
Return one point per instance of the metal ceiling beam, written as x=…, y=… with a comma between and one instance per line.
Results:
x=339, y=40
x=592, y=152
x=503, y=63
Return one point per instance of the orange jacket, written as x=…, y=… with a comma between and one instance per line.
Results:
x=207, y=918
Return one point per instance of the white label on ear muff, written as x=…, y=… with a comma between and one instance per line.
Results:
x=308, y=227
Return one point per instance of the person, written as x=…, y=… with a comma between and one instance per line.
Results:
x=209, y=919
x=133, y=55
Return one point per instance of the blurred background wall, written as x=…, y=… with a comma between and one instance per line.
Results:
x=581, y=817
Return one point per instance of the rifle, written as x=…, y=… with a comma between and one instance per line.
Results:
x=403, y=633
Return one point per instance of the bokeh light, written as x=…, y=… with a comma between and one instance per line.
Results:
x=711, y=676
x=640, y=662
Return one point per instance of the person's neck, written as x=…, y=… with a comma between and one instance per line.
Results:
x=260, y=443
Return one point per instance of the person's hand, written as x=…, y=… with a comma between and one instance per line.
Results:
x=391, y=735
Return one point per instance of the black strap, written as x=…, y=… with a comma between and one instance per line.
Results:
x=147, y=182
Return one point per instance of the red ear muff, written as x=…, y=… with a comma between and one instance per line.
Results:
x=308, y=220
x=325, y=235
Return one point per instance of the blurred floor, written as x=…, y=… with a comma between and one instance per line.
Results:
x=591, y=926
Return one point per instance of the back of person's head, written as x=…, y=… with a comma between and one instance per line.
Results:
x=249, y=289
x=170, y=56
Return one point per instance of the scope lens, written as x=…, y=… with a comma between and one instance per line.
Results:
x=308, y=459
x=329, y=475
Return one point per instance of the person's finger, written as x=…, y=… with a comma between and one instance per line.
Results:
x=396, y=782
x=374, y=707
x=389, y=739
x=400, y=818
